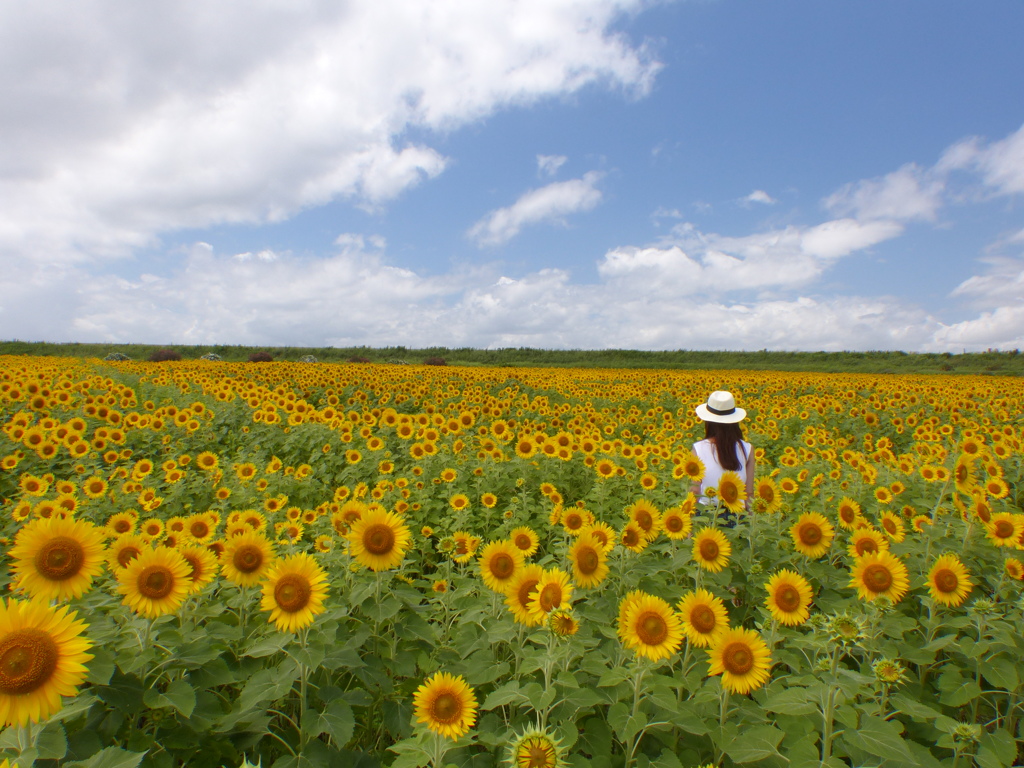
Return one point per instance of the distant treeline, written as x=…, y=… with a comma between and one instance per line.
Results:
x=993, y=362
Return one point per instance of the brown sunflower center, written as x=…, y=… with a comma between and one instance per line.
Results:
x=60, y=558
x=644, y=519
x=550, y=597
x=535, y=754
x=447, y=708
x=292, y=593
x=729, y=492
x=877, y=577
x=767, y=493
x=702, y=618
x=651, y=628
x=846, y=514
x=1003, y=529
x=199, y=529
x=946, y=581
x=248, y=558
x=787, y=598
x=889, y=525
x=865, y=546
x=379, y=539
x=502, y=565
x=810, y=534
x=738, y=658
x=196, y=565
x=673, y=523
x=155, y=582
x=122, y=526
x=630, y=537
x=587, y=560
x=573, y=521
x=523, y=595
x=126, y=554
x=522, y=541
x=709, y=549
x=28, y=659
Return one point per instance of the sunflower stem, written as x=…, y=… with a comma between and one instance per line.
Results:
x=303, y=687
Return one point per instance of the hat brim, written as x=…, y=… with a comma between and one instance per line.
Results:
x=730, y=418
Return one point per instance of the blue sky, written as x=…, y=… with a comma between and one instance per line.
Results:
x=614, y=173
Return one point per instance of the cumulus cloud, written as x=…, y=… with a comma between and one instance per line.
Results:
x=1000, y=163
x=123, y=122
x=760, y=196
x=546, y=204
x=548, y=165
x=903, y=195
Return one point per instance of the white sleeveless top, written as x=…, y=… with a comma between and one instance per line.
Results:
x=705, y=451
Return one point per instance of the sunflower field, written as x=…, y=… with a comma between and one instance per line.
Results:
x=285, y=565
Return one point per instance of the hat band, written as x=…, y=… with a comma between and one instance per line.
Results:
x=721, y=413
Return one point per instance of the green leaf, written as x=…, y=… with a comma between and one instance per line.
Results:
x=880, y=737
x=179, y=695
x=790, y=701
x=755, y=744
x=1001, y=673
x=111, y=757
x=336, y=720
x=505, y=694
x=666, y=760
x=968, y=691
x=268, y=646
x=915, y=709
x=52, y=742
x=996, y=750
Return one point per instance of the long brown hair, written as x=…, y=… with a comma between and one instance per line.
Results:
x=725, y=438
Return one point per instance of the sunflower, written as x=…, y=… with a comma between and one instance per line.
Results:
x=949, y=582
x=121, y=523
x=200, y=527
x=848, y=513
x=465, y=546
x=589, y=561
x=152, y=529
x=1013, y=568
x=812, y=534
x=1004, y=529
x=789, y=598
x=519, y=591
x=499, y=562
x=649, y=626
x=963, y=474
x=124, y=549
x=711, y=549
x=56, y=558
x=204, y=567
x=536, y=749
x=246, y=558
x=632, y=537
x=732, y=492
x=647, y=518
x=207, y=461
x=563, y=623
x=892, y=525
x=741, y=657
x=294, y=592
x=865, y=540
x=575, y=520
x=883, y=495
x=693, y=467
x=379, y=539
x=704, y=617
x=766, y=496
x=459, y=502
x=526, y=540
x=42, y=657
x=676, y=523
x=880, y=574
x=446, y=705
x=552, y=592
x=155, y=583
x=603, y=533
x=996, y=488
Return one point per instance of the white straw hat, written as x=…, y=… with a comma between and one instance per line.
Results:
x=721, y=407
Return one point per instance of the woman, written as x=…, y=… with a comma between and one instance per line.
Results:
x=723, y=447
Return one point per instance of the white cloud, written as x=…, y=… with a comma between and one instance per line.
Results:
x=122, y=122
x=546, y=204
x=1000, y=163
x=842, y=237
x=1001, y=283
x=548, y=165
x=905, y=194
x=760, y=196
